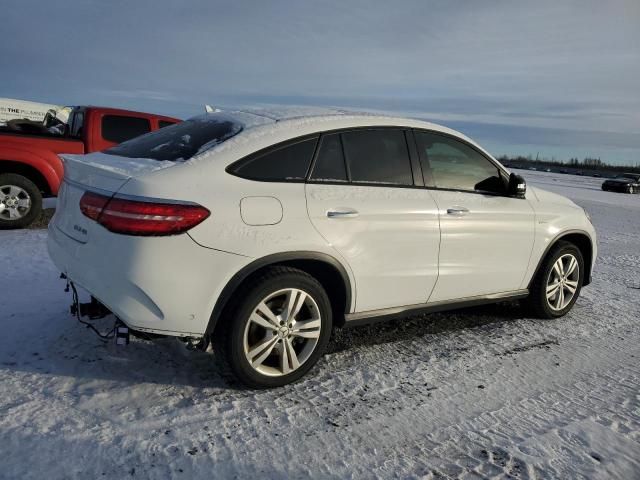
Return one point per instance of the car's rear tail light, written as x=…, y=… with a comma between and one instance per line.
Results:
x=92, y=204
x=140, y=217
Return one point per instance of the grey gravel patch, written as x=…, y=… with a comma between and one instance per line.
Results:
x=43, y=220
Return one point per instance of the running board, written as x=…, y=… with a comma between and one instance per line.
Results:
x=384, y=314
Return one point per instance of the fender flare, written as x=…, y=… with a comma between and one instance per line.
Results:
x=274, y=259
x=45, y=167
x=560, y=236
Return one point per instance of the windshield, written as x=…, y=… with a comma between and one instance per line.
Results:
x=628, y=176
x=181, y=141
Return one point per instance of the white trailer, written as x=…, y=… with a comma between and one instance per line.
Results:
x=11, y=109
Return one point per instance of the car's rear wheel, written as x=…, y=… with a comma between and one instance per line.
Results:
x=20, y=201
x=558, y=282
x=278, y=328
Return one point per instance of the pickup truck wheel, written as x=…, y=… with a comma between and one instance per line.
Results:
x=277, y=330
x=20, y=201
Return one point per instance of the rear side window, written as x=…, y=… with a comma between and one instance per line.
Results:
x=329, y=166
x=180, y=141
x=164, y=123
x=77, y=125
x=286, y=163
x=118, y=129
x=378, y=156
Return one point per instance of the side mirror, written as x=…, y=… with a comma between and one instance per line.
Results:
x=517, y=186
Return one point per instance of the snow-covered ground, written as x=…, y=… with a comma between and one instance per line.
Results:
x=479, y=393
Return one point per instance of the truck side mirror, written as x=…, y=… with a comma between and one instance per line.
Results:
x=517, y=186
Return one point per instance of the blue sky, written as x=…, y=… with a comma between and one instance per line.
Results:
x=559, y=79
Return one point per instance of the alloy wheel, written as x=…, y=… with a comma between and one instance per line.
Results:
x=15, y=202
x=562, y=283
x=282, y=332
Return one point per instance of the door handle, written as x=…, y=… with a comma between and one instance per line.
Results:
x=342, y=213
x=457, y=211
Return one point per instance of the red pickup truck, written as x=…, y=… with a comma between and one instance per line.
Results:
x=30, y=168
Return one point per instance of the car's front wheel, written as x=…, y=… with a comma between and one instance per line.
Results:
x=558, y=282
x=277, y=329
x=20, y=201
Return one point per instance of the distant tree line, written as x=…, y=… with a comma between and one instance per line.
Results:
x=574, y=165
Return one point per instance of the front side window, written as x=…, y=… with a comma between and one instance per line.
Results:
x=118, y=128
x=378, y=156
x=180, y=141
x=286, y=163
x=453, y=164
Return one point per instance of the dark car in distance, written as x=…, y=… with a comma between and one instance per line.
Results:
x=625, y=183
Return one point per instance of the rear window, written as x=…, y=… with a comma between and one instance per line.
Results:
x=180, y=141
x=118, y=128
x=76, y=125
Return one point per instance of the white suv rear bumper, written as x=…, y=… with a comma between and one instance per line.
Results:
x=166, y=285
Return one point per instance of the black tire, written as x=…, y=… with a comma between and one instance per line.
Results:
x=537, y=303
x=31, y=190
x=228, y=338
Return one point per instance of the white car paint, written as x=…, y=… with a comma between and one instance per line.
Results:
x=555, y=215
x=389, y=237
x=399, y=247
x=486, y=242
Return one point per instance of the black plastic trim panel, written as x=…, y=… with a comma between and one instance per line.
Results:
x=375, y=316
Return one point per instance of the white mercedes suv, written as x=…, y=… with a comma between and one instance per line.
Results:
x=260, y=232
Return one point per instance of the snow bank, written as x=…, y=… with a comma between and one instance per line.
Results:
x=477, y=393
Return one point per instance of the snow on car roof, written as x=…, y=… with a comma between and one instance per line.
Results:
x=260, y=116
x=263, y=127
